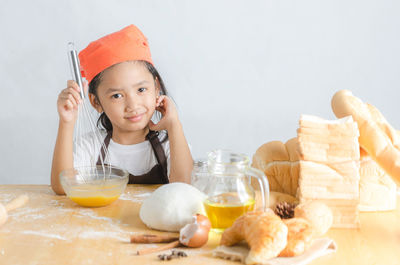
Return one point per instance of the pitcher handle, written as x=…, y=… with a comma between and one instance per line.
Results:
x=263, y=183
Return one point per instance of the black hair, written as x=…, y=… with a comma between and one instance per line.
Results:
x=103, y=120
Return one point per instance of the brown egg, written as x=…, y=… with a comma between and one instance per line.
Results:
x=203, y=221
x=195, y=234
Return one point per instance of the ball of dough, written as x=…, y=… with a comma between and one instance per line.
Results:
x=171, y=206
x=317, y=213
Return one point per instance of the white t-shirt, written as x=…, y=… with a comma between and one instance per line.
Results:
x=137, y=159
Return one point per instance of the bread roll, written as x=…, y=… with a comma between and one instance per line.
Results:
x=345, y=212
x=317, y=213
x=377, y=137
x=280, y=163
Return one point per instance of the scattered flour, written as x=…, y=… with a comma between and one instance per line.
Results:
x=87, y=213
x=38, y=233
x=5, y=198
x=39, y=215
x=91, y=234
x=134, y=197
x=27, y=214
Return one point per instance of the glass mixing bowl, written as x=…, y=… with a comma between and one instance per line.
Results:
x=94, y=186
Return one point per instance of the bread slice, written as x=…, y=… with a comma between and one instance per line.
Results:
x=343, y=125
x=316, y=152
x=319, y=181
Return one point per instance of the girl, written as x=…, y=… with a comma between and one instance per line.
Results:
x=126, y=89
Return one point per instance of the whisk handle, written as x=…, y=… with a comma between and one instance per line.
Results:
x=75, y=66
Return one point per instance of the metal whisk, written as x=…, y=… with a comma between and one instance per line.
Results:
x=85, y=126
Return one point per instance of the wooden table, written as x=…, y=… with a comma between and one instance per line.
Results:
x=52, y=229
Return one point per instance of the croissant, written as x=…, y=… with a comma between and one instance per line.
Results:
x=264, y=232
x=300, y=235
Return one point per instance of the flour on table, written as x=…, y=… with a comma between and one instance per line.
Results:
x=91, y=234
x=85, y=213
x=37, y=233
x=134, y=197
x=43, y=219
x=5, y=198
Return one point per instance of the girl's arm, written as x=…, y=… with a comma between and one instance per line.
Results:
x=180, y=156
x=67, y=106
x=62, y=156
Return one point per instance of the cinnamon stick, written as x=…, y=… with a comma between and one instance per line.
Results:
x=164, y=247
x=148, y=238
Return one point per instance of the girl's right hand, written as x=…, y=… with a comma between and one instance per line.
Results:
x=68, y=101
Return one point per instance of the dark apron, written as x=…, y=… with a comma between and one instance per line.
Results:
x=158, y=174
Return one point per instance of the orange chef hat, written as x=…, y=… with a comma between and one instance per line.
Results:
x=127, y=44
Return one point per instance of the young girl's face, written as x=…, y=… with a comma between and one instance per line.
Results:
x=128, y=95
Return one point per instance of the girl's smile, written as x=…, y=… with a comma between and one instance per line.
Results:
x=135, y=118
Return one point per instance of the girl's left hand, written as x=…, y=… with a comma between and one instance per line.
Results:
x=169, y=115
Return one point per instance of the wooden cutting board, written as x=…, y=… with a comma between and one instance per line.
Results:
x=51, y=229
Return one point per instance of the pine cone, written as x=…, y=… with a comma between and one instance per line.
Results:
x=285, y=210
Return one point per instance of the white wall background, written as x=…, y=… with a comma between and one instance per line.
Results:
x=241, y=72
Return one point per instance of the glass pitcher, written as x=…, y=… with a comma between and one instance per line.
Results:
x=199, y=176
x=228, y=188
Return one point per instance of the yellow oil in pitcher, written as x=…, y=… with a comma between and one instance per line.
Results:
x=224, y=209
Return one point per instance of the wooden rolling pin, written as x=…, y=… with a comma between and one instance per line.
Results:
x=149, y=238
x=14, y=204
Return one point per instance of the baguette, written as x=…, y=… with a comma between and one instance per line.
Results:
x=377, y=137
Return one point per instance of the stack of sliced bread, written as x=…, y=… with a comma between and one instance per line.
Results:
x=329, y=166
